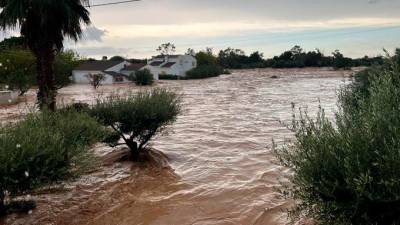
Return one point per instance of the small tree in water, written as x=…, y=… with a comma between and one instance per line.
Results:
x=96, y=79
x=137, y=118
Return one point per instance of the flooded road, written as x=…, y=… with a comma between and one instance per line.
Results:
x=219, y=149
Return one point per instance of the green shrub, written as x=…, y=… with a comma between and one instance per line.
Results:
x=348, y=171
x=362, y=80
x=144, y=77
x=43, y=149
x=169, y=77
x=137, y=118
x=17, y=70
x=204, y=71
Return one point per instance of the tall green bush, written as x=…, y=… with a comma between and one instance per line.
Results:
x=43, y=149
x=204, y=71
x=348, y=171
x=17, y=70
x=137, y=118
x=143, y=77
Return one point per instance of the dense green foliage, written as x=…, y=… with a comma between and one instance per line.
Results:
x=143, y=77
x=237, y=59
x=169, y=77
x=204, y=71
x=206, y=58
x=12, y=43
x=64, y=63
x=18, y=68
x=207, y=65
x=294, y=58
x=137, y=118
x=43, y=149
x=341, y=62
x=347, y=171
x=44, y=24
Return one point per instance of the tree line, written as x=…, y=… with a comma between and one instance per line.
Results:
x=296, y=57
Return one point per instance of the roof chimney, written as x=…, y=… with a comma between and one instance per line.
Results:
x=104, y=58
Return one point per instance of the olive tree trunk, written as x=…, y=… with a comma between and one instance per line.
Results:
x=135, y=153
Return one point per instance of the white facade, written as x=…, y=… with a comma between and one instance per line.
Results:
x=8, y=97
x=177, y=65
x=114, y=72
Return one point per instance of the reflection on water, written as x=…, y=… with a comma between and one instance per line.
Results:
x=219, y=149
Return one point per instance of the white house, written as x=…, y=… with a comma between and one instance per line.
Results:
x=171, y=64
x=114, y=71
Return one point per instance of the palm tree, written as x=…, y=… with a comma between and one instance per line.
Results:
x=44, y=24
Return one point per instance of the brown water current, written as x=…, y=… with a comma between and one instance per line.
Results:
x=222, y=169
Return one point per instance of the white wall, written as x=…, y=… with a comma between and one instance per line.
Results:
x=154, y=70
x=8, y=97
x=183, y=64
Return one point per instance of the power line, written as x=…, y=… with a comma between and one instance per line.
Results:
x=112, y=3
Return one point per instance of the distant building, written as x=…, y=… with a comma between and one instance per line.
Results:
x=171, y=64
x=114, y=71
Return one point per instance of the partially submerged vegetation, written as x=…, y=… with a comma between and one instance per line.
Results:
x=143, y=77
x=207, y=65
x=137, y=118
x=51, y=147
x=43, y=149
x=347, y=171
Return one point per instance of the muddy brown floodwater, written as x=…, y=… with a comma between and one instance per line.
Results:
x=222, y=170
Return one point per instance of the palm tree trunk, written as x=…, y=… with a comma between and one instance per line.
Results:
x=47, y=92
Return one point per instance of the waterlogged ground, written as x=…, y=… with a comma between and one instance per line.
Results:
x=222, y=168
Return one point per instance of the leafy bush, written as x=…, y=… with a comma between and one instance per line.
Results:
x=17, y=70
x=341, y=62
x=64, y=63
x=347, y=172
x=144, y=77
x=43, y=149
x=170, y=77
x=362, y=80
x=137, y=118
x=205, y=71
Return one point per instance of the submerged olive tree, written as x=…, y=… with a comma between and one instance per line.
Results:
x=137, y=118
x=348, y=171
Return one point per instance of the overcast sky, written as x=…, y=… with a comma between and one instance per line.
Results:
x=357, y=27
